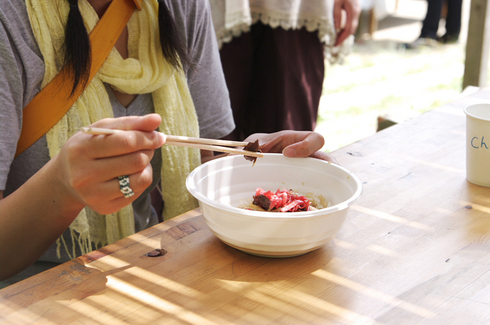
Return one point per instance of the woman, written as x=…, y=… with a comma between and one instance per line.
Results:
x=62, y=196
x=273, y=55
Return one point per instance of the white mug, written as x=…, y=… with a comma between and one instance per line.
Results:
x=478, y=144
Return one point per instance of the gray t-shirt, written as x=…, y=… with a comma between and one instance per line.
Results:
x=22, y=71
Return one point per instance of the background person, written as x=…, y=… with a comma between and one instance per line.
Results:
x=273, y=55
x=430, y=26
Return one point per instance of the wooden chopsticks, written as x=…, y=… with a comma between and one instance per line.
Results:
x=199, y=143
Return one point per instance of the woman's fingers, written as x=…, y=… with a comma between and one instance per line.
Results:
x=140, y=123
x=138, y=135
x=90, y=164
x=294, y=144
x=120, y=143
x=348, y=26
x=108, y=197
x=303, y=144
x=102, y=170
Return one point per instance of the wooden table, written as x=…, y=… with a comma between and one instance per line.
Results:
x=414, y=249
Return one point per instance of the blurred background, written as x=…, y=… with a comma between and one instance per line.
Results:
x=381, y=82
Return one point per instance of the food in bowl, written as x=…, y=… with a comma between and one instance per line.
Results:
x=283, y=200
x=222, y=184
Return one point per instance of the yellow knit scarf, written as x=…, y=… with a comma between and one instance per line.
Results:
x=145, y=71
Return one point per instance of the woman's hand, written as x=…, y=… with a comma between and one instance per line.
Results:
x=351, y=9
x=84, y=173
x=90, y=164
x=294, y=144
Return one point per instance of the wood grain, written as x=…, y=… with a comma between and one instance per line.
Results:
x=415, y=249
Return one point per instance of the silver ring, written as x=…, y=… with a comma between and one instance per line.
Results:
x=124, y=186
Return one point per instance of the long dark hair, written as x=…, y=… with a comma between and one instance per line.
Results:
x=78, y=51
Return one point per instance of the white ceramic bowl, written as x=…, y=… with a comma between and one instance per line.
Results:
x=222, y=185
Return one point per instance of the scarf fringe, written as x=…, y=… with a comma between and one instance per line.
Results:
x=77, y=240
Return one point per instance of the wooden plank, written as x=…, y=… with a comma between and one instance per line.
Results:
x=477, y=45
x=415, y=248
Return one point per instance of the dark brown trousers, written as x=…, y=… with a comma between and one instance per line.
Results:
x=275, y=79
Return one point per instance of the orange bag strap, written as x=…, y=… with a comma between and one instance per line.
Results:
x=54, y=100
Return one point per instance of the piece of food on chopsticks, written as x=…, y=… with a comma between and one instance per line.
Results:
x=284, y=201
x=253, y=147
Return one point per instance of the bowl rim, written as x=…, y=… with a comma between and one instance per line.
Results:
x=191, y=187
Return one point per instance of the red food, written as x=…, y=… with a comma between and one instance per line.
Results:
x=281, y=200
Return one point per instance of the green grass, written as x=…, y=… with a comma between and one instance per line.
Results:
x=383, y=81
